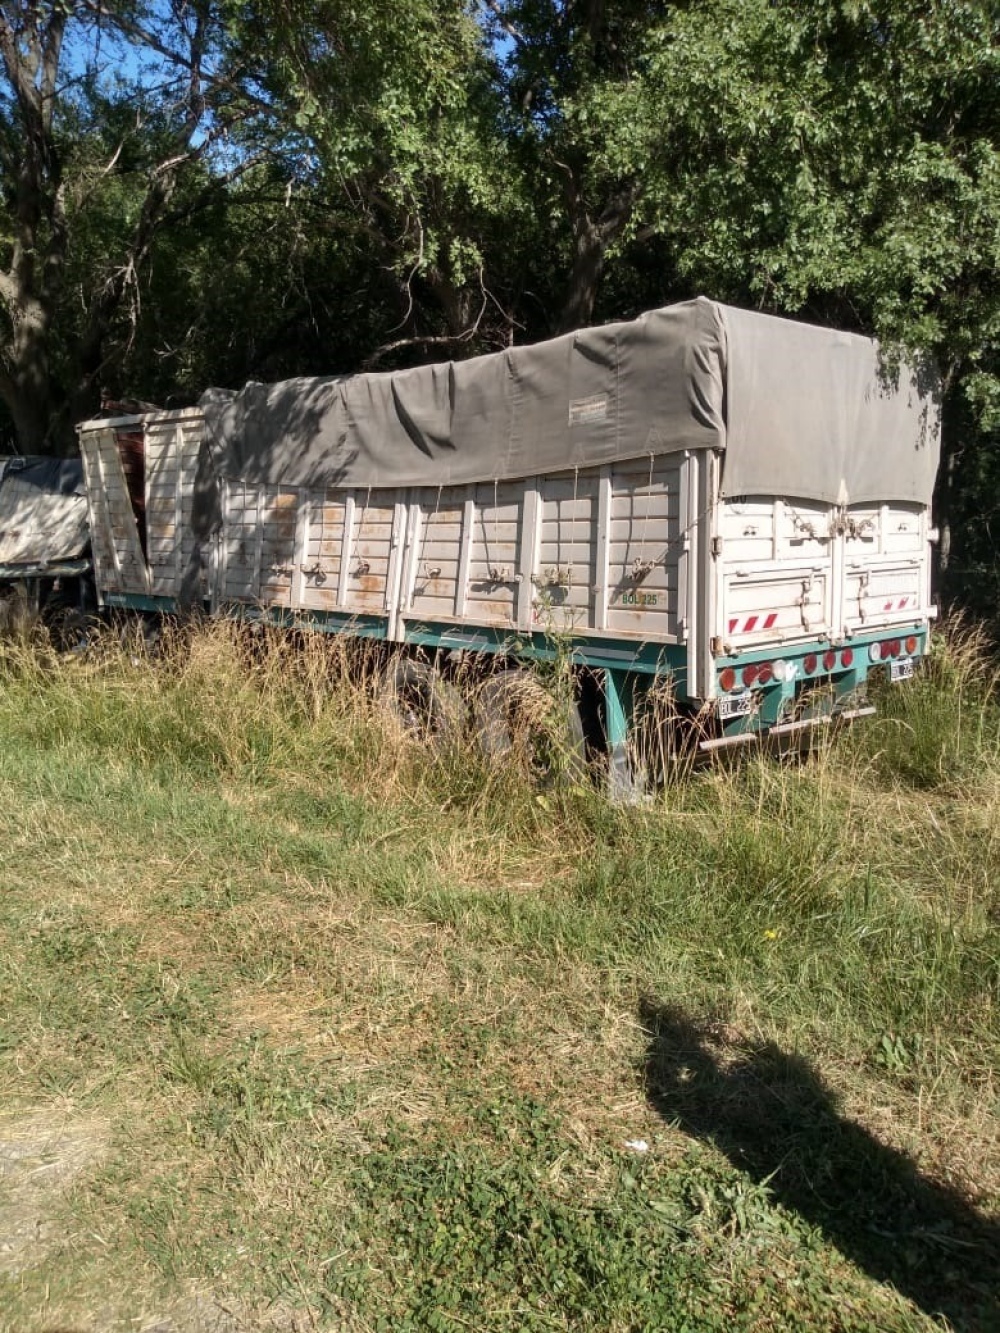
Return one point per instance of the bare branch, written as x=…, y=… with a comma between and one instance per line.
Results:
x=440, y=340
x=50, y=56
x=513, y=32
x=408, y=285
x=186, y=62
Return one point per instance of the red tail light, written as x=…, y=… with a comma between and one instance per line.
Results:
x=750, y=674
x=810, y=662
x=911, y=645
x=829, y=660
x=727, y=678
x=764, y=673
x=846, y=657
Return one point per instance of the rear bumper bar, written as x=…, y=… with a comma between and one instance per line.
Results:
x=800, y=726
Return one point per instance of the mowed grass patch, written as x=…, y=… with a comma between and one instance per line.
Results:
x=369, y=1027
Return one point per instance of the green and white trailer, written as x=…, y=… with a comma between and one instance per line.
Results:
x=731, y=507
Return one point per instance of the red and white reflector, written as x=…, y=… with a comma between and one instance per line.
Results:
x=752, y=624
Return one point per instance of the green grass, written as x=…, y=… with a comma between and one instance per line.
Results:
x=306, y=1024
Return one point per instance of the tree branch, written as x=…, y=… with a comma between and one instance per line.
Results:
x=444, y=339
x=513, y=32
x=148, y=38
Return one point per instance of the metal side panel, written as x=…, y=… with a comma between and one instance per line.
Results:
x=172, y=449
x=778, y=572
x=106, y=575
x=645, y=547
x=372, y=571
x=242, y=514
x=494, y=558
x=119, y=563
x=189, y=552
x=323, y=515
x=164, y=520
x=566, y=571
x=886, y=566
x=278, y=522
x=597, y=551
x=434, y=554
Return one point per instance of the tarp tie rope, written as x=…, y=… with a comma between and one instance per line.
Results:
x=362, y=565
x=641, y=567
x=422, y=563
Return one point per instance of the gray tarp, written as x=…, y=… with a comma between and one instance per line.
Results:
x=800, y=411
x=43, y=511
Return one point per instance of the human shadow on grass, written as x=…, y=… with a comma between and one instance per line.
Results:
x=774, y=1118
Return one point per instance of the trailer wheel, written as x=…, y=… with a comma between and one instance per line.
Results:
x=423, y=702
x=516, y=716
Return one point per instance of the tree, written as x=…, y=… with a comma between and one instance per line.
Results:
x=390, y=114
x=572, y=74
x=840, y=160
x=93, y=168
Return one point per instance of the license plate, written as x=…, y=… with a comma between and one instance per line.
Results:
x=736, y=705
x=901, y=670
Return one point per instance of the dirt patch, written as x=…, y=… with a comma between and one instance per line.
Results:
x=210, y=1314
x=40, y=1158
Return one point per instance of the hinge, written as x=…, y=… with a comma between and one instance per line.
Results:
x=716, y=546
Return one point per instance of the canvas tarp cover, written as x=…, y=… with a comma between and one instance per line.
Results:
x=799, y=411
x=43, y=511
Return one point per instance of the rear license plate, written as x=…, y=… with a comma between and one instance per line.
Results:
x=736, y=705
x=901, y=670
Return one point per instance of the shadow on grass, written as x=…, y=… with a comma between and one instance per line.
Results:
x=774, y=1118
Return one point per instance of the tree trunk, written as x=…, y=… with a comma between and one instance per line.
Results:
x=591, y=239
x=589, y=252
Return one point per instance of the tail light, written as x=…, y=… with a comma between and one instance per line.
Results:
x=764, y=673
x=727, y=679
x=875, y=652
x=810, y=662
x=911, y=645
x=846, y=657
x=750, y=674
x=829, y=660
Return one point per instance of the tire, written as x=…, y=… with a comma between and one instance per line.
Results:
x=516, y=717
x=427, y=706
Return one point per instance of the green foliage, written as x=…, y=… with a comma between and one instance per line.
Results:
x=943, y=730
x=361, y=1018
x=487, y=1234
x=345, y=186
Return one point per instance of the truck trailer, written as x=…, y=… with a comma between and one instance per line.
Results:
x=44, y=541
x=709, y=503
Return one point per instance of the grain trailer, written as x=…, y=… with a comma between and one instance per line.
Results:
x=730, y=506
